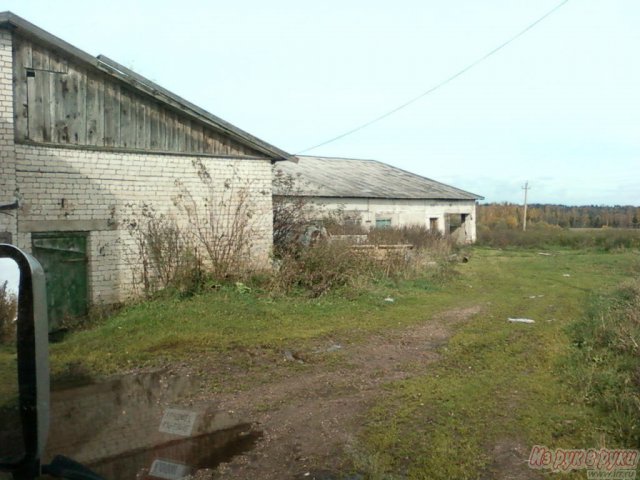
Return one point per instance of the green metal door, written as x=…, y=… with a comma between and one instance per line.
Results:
x=63, y=256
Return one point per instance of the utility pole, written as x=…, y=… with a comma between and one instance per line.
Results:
x=524, y=220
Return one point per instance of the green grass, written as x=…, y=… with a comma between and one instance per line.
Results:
x=495, y=380
x=605, y=362
x=228, y=319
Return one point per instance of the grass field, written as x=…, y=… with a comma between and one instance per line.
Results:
x=497, y=386
x=501, y=386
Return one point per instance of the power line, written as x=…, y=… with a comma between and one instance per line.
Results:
x=441, y=84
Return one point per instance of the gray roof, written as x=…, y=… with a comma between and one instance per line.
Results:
x=140, y=83
x=352, y=178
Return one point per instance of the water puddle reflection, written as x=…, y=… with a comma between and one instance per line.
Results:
x=145, y=426
x=179, y=458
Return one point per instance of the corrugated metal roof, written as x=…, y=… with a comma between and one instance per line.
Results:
x=348, y=177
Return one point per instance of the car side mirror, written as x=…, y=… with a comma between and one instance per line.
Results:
x=24, y=363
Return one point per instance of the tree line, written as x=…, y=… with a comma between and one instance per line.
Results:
x=509, y=215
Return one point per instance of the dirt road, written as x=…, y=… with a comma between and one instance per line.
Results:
x=309, y=419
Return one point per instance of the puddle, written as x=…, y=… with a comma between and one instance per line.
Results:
x=146, y=425
x=178, y=458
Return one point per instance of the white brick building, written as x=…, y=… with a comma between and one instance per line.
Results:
x=82, y=137
x=379, y=195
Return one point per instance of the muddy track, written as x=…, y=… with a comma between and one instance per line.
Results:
x=311, y=417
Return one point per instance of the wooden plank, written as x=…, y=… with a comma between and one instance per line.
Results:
x=32, y=110
x=127, y=121
x=208, y=141
x=226, y=149
x=38, y=91
x=188, y=135
x=199, y=135
x=111, y=114
x=216, y=143
x=162, y=129
x=189, y=109
x=22, y=55
x=173, y=144
x=154, y=127
x=235, y=149
x=60, y=67
x=141, y=114
x=95, y=111
x=147, y=125
x=61, y=131
x=75, y=106
x=180, y=135
x=169, y=126
x=134, y=120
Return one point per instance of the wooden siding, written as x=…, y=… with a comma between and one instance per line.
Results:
x=59, y=102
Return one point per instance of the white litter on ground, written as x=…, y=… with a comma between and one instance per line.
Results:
x=521, y=320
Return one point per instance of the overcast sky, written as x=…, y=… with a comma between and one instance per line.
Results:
x=559, y=107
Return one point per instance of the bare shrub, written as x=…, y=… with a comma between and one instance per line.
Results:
x=165, y=256
x=8, y=312
x=401, y=253
x=322, y=267
x=292, y=212
x=342, y=222
x=419, y=236
x=220, y=222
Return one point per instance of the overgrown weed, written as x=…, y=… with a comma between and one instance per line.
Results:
x=605, y=362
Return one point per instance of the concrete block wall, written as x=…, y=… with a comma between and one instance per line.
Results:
x=7, y=155
x=99, y=192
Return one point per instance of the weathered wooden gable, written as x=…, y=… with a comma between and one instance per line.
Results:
x=59, y=101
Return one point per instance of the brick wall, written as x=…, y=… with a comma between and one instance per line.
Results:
x=90, y=190
x=97, y=191
x=7, y=164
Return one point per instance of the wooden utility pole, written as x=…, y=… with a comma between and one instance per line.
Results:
x=524, y=220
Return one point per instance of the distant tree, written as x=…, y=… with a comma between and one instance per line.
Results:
x=508, y=215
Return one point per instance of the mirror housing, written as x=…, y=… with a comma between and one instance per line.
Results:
x=33, y=362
